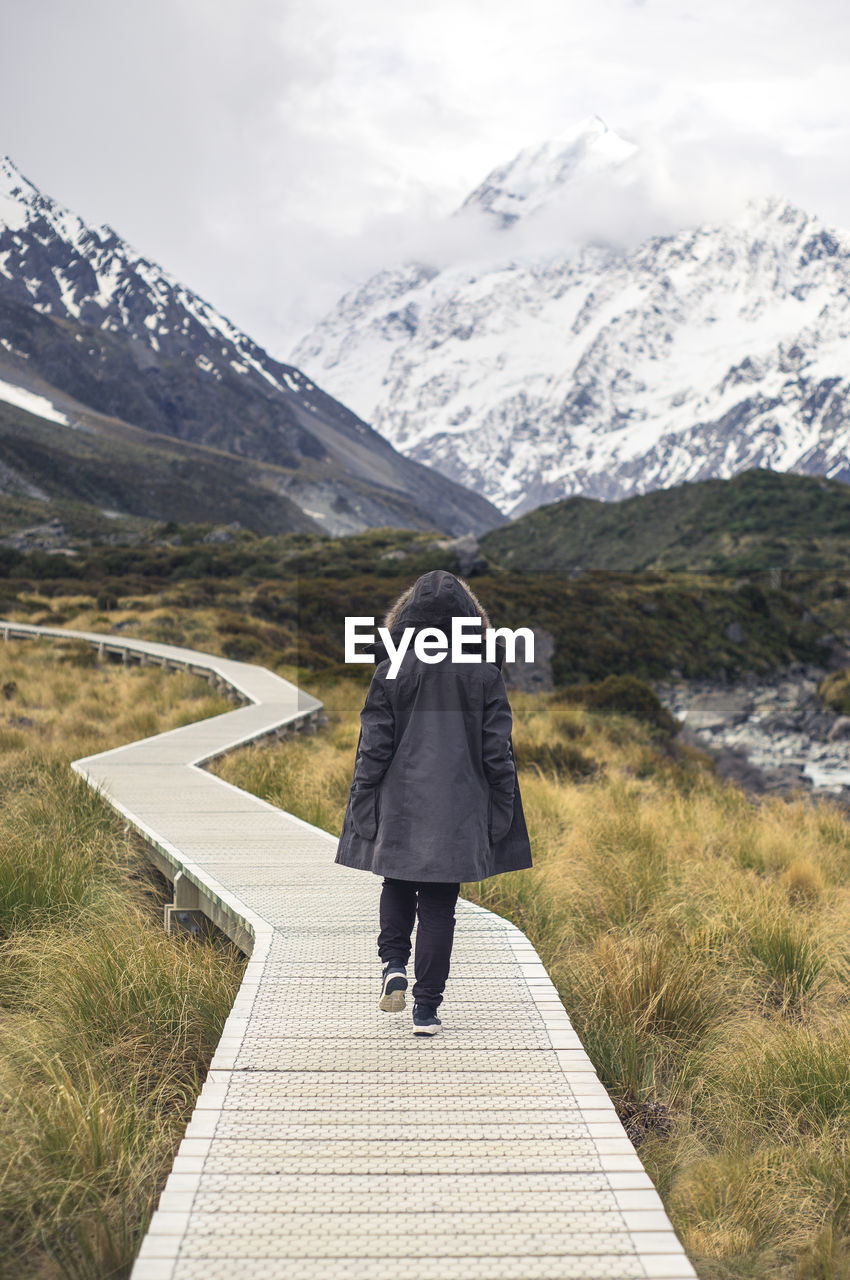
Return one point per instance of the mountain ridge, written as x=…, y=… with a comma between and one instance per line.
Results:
x=86, y=313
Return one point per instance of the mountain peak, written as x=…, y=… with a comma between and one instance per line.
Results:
x=539, y=172
x=17, y=196
x=591, y=126
x=13, y=184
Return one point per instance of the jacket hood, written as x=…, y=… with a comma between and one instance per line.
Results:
x=432, y=601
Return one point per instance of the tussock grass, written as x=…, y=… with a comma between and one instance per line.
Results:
x=700, y=942
x=106, y=1024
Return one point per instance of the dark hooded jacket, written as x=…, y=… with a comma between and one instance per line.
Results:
x=435, y=794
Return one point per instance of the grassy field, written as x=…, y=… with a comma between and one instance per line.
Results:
x=106, y=1024
x=701, y=944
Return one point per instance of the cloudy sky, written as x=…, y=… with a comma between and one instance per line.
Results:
x=273, y=153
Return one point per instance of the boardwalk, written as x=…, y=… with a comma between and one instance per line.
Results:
x=327, y=1140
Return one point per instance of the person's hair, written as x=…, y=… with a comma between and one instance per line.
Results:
x=394, y=612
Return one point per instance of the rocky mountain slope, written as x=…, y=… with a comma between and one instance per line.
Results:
x=84, y=317
x=101, y=478
x=531, y=374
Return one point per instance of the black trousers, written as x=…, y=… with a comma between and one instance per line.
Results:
x=433, y=903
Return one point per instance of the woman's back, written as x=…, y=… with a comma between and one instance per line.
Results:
x=435, y=794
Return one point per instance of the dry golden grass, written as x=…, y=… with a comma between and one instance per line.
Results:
x=106, y=1024
x=701, y=945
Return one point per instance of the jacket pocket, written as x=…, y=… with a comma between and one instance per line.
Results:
x=364, y=812
x=499, y=815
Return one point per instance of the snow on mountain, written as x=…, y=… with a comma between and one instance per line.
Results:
x=599, y=369
x=529, y=181
x=38, y=405
x=52, y=260
x=85, y=314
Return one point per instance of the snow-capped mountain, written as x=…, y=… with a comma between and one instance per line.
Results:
x=596, y=369
x=86, y=316
x=538, y=175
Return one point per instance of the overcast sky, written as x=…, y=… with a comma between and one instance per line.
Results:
x=272, y=153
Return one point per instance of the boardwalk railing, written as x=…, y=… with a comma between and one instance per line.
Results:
x=328, y=1141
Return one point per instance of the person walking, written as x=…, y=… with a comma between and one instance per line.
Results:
x=434, y=800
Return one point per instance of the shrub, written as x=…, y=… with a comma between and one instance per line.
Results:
x=834, y=691
x=624, y=694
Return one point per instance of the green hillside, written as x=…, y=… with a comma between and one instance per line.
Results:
x=756, y=520
x=282, y=601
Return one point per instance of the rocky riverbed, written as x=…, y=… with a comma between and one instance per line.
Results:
x=771, y=733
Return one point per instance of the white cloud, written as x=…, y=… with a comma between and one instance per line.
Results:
x=273, y=153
